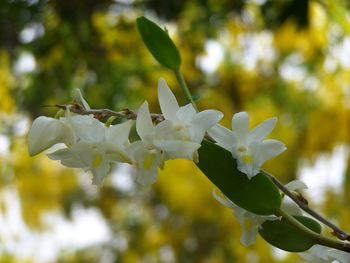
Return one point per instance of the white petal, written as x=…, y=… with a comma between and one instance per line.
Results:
x=202, y=121
x=100, y=173
x=167, y=100
x=240, y=124
x=88, y=128
x=144, y=124
x=119, y=134
x=165, y=129
x=177, y=149
x=262, y=130
x=248, y=237
x=223, y=200
x=222, y=136
x=296, y=185
x=77, y=156
x=46, y=132
x=186, y=114
x=290, y=207
x=268, y=150
x=79, y=97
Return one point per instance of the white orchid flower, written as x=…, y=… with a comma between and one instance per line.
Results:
x=322, y=254
x=158, y=143
x=46, y=132
x=249, y=221
x=248, y=147
x=189, y=125
x=163, y=136
x=98, y=146
x=146, y=161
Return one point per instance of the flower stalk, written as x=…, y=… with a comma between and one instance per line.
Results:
x=181, y=80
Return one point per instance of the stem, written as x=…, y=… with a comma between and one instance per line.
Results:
x=317, y=238
x=103, y=113
x=180, y=79
x=342, y=235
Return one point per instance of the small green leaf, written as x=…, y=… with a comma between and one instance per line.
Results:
x=258, y=195
x=282, y=234
x=159, y=43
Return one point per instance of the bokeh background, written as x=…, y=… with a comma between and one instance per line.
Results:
x=288, y=58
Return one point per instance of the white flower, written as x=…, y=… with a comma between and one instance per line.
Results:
x=249, y=221
x=98, y=147
x=163, y=136
x=248, y=147
x=188, y=124
x=158, y=143
x=46, y=132
x=146, y=161
x=322, y=254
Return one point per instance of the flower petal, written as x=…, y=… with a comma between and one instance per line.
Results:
x=100, y=172
x=186, y=114
x=77, y=156
x=144, y=124
x=167, y=100
x=249, y=231
x=79, y=97
x=267, y=150
x=240, y=124
x=202, y=121
x=177, y=149
x=222, y=136
x=119, y=134
x=88, y=128
x=262, y=130
x=296, y=185
x=46, y=132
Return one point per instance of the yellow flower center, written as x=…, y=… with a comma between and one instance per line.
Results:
x=248, y=159
x=248, y=223
x=97, y=161
x=147, y=163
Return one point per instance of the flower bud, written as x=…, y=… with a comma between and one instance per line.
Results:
x=46, y=132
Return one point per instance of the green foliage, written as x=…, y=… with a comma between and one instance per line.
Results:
x=283, y=235
x=258, y=195
x=159, y=43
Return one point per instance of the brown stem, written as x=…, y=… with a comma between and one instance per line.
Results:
x=342, y=235
x=103, y=113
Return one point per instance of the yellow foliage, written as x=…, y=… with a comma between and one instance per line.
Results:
x=7, y=104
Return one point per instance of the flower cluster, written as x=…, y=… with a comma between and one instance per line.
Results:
x=91, y=145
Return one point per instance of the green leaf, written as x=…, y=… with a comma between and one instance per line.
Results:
x=159, y=43
x=282, y=234
x=258, y=195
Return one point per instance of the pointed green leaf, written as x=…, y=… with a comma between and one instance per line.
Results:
x=258, y=195
x=282, y=234
x=159, y=43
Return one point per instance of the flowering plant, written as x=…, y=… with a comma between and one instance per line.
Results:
x=260, y=202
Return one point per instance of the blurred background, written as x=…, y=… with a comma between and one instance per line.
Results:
x=288, y=58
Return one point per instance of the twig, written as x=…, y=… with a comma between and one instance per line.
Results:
x=103, y=113
x=340, y=234
x=317, y=238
